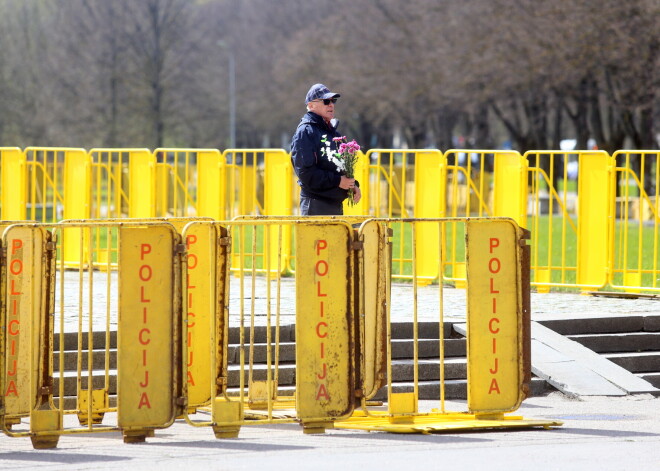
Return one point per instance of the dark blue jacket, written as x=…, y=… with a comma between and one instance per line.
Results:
x=317, y=176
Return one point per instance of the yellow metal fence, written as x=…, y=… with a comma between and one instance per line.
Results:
x=593, y=216
x=145, y=333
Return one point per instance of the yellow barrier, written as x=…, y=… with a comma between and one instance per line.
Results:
x=340, y=357
x=634, y=246
x=212, y=196
x=13, y=184
x=177, y=181
x=498, y=363
x=245, y=181
x=575, y=245
x=557, y=213
x=142, y=184
x=68, y=332
x=391, y=182
x=110, y=180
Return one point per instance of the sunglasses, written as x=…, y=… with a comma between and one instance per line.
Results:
x=327, y=101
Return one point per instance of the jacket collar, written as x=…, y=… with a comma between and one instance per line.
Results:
x=312, y=118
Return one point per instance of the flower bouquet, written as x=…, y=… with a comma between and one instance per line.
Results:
x=344, y=158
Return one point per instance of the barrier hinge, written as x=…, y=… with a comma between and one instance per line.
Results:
x=179, y=249
x=357, y=245
x=224, y=241
x=50, y=246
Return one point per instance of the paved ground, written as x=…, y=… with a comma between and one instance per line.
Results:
x=545, y=306
x=598, y=434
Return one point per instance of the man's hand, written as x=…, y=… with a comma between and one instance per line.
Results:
x=346, y=183
x=357, y=194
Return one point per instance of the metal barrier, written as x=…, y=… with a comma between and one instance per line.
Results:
x=342, y=329
x=177, y=181
x=569, y=237
x=576, y=243
x=498, y=337
x=13, y=184
x=110, y=183
x=47, y=318
x=635, y=256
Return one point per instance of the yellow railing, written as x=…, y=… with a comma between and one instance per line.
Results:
x=585, y=233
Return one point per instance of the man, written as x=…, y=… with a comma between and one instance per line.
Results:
x=323, y=187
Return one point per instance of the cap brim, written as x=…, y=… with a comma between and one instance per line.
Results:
x=330, y=95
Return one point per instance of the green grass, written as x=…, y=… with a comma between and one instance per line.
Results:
x=553, y=247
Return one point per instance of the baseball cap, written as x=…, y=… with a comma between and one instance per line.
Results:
x=319, y=92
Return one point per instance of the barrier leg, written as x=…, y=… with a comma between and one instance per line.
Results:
x=45, y=425
x=227, y=418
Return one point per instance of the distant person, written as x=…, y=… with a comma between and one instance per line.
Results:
x=322, y=187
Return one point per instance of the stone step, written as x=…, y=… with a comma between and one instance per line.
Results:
x=98, y=360
x=71, y=340
x=605, y=325
x=638, y=362
x=454, y=389
x=98, y=382
x=428, y=348
x=404, y=370
x=621, y=342
x=653, y=378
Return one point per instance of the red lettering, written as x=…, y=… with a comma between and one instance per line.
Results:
x=318, y=290
x=190, y=240
x=321, y=245
x=13, y=347
x=322, y=393
x=145, y=383
x=494, y=345
x=144, y=401
x=14, y=306
x=318, y=330
x=190, y=323
x=494, y=387
x=142, y=298
x=490, y=325
x=188, y=282
x=494, y=242
x=190, y=300
x=191, y=380
x=13, y=289
x=144, y=357
x=494, y=262
x=11, y=323
x=145, y=272
x=15, y=245
x=192, y=261
x=190, y=358
x=325, y=372
x=321, y=306
x=494, y=305
x=492, y=286
x=189, y=338
x=11, y=389
x=16, y=266
x=321, y=265
x=144, y=314
x=142, y=340
x=496, y=367
x=322, y=350
x=144, y=250
x=12, y=372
